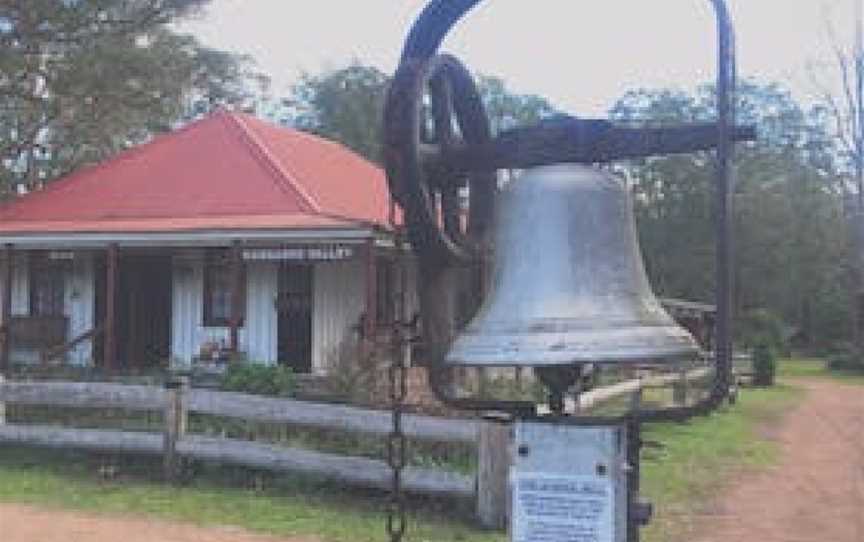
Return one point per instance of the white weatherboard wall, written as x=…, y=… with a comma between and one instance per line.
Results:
x=21, y=286
x=261, y=319
x=79, y=306
x=339, y=301
x=187, y=289
x=188, y=332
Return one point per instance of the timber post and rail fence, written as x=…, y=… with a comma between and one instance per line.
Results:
x=176, y=400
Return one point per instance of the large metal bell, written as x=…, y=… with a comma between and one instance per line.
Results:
x=569, y=286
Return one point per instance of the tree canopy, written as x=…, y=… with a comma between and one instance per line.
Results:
x=790, y=240
x=82, y=79
x=347, y=105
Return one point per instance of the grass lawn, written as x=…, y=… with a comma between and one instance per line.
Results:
x=677, y=477
x=813, y=368
x=287, y=506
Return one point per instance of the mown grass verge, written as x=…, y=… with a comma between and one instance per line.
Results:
x=815, y=368
x=285, y=506
x=679, y=478
x=696, y=458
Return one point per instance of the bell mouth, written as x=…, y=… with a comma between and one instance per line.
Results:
x=639, y=345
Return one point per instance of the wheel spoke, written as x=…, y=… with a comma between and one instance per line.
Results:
x=441, y=90
x=439, y=174
x=450, y=211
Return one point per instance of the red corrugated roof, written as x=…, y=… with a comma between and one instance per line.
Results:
x=227, y=171
x=167, y=225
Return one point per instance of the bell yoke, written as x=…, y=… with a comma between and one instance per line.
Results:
x=568, y=286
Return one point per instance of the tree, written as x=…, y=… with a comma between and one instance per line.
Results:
x=843, y=104
x=506, y=109
x=82, y=79
x=346, y=105
x=788, y=219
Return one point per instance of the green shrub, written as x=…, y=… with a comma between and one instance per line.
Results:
x=259, y=379
x=846, y=359
x=764, y=364
x=760, y=326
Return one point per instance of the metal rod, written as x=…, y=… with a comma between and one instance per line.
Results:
x=726, y=79
x=634, y=451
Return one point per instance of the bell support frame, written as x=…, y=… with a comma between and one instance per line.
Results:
x=562, y=140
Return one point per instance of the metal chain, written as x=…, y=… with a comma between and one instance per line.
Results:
x=397, y=444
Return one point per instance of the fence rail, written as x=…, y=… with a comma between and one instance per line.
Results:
x=329, y=416
x=84, y=395
x=177, y=401
x=97, y=440
x=358, y=471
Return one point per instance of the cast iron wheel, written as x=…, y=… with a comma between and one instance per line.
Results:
x=432, y=107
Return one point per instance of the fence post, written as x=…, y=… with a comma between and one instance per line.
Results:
x=494, y=458
x=175, y=423
x=679, y=389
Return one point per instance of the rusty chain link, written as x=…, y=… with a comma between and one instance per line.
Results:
x=397, y=444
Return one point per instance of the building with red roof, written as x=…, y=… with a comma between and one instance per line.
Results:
x=229, y=237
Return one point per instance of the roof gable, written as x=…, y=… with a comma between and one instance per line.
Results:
x=226, y=165
x=318, y=167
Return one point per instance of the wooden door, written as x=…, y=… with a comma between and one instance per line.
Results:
x=144, y=311
x=294, y=306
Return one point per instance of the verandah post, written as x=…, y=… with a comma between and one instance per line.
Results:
x=110, y=345
x=236, y=295
x=370, y=323
x=8, y=276
x=2, y=403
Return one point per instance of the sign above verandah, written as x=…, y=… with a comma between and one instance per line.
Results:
x=299, y=253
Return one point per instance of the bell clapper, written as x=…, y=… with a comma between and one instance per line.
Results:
x=558, y=381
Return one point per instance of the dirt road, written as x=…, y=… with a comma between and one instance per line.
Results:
x=29, y=524
x=815, y=492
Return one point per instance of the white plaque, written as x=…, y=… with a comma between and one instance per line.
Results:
x=565, y=508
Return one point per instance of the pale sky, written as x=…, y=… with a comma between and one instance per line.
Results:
x=581, y=54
